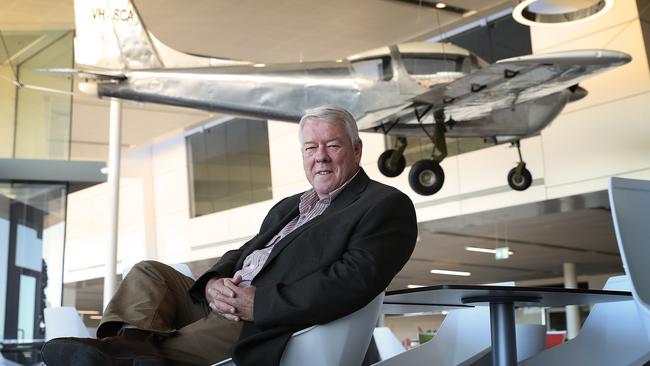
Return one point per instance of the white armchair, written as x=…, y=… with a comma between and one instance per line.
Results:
x=341, y=342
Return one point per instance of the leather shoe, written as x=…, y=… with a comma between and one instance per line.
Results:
x=110, y=351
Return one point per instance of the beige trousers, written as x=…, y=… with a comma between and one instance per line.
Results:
x=154, y=297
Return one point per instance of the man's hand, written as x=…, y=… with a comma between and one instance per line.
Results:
x=240, y=305
x=215, y=288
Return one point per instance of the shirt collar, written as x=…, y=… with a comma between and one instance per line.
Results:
x=310, y=198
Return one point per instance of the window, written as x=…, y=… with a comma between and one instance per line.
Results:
x=35, y=119
x=428, y=64
x=32, y=227
x=497, y=39
x=229, y=166
x=374, y=68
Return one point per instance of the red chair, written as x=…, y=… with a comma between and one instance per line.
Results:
x=553, y=338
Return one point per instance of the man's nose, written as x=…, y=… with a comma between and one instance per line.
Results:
x=321, y=155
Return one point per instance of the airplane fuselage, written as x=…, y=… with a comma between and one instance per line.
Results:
x=281, y=92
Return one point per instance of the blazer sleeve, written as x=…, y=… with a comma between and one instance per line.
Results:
x=377, y=249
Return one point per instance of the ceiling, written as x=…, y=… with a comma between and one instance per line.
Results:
x=266, y=31
x=295, y=30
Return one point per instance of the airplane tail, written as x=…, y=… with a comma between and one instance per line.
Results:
x=111, y=35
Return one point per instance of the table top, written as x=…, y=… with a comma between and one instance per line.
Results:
x=459, y=295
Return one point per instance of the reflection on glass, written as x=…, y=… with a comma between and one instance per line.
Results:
x=26, y=308
x=7, y=103
x=432, y=64
x=229, y=166
x=374, y=68
x=32, y=226
x=4, y=258
x=27, y=244
x=42, y=117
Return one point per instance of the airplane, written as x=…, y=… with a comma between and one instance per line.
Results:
x=436, y=90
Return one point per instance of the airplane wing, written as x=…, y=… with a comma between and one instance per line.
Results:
x=383, y=116
x=517, y=80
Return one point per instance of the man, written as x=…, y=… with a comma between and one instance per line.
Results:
x=318, y=256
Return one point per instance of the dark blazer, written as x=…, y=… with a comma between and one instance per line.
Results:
x=329, y=267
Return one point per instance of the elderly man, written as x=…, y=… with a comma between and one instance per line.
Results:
x=318, y=256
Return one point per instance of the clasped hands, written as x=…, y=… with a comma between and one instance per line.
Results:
x=229, y=300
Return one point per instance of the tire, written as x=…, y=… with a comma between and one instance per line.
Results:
x=382, y=164
x=519, y=183
x=426, y=177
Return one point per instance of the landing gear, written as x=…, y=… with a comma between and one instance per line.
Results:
x=391, y=163
x=426, y=177
x=519, y=178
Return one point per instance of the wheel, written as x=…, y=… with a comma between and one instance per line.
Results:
x=426, y=177
x=519, y=183
x=382, y=164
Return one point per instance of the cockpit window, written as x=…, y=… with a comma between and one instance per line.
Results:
x=378, y=68
x=433, y=64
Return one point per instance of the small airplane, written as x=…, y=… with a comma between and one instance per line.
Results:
x=435, y=90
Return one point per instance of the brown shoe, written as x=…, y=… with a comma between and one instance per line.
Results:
x=110, y=351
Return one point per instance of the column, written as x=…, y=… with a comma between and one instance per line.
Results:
x=572, y=311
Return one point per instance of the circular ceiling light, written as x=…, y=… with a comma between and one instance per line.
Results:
x=558, y=12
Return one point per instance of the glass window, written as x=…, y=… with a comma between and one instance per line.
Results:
x=43, y=117
x=229, y=166
x=32, y=227
x=431, y=64
x=498, y=39
x=374, y=68
x=7, y=108
x=35, y=107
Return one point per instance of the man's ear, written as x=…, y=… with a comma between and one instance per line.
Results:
x=358, y=149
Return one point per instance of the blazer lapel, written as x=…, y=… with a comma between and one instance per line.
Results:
x=349, y=194
x=269, y=234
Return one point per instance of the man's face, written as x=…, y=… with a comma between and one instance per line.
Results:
x=328, y=156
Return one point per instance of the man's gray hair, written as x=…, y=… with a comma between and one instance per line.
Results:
x=331, y=114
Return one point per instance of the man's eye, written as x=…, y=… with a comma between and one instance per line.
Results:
x=333, y=146
x=309, y=148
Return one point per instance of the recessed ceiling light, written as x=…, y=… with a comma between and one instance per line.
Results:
x=259, y=65
x=441, y=5
x=485, y=250
x=450, y=273
x=88, y=312
x=554, y=13
x=415, y=286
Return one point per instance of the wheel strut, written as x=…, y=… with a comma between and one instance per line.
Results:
x=521, y=165
x=438, y=140
x=398, y=152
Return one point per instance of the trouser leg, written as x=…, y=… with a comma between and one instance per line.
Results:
x=154, y=297
x=203, y=342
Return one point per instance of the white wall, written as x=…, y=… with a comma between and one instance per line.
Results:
x=607, y=133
